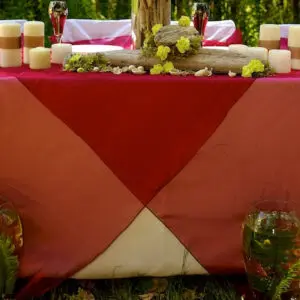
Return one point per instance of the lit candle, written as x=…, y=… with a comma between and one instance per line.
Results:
x=34, y=35
x=10, y=45
x=269, y=36
x=280, y=61
x=59, y=52
x=258, y=53
x=39, y=58
x=294, y=46
x=241, y=49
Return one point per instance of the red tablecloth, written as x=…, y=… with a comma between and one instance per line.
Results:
x=195, y=151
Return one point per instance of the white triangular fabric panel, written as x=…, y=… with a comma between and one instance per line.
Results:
x=146, y=248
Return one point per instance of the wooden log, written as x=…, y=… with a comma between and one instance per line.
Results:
x=221, y=61
x=146, y=14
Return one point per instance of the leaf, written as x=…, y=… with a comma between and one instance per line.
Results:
x=286, y=282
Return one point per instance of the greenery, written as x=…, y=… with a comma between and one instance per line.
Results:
x=175, y=288
x=9, y=265
x=271, y=252
x=247, y=14
x=286, y=282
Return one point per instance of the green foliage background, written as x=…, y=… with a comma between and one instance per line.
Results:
x=247, y=14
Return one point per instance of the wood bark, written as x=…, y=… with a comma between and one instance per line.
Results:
x=221, y=61
x=147, y=13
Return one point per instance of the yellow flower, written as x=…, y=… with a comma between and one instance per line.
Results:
x=156, y=28
x=168, y=67
x=184, y=21
x=256, y=66
x=246, y=72
x=157, y=69
x=267, y=242
x=74, y=58
x=183, y=44
x=162, y=52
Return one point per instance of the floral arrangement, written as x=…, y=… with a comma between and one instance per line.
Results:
x=158, y=44
x=11, y=241
x=256, y=68
x=271, y=252
x=85, y=63
x=184, y=47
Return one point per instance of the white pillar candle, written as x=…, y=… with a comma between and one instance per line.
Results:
x=258, y=53
x=241, y=49
x=280, y=61
x=269, y=36
x=10, y=45
x=34, y=36
x=39, y=58
x=294, y=46
x=59, y=52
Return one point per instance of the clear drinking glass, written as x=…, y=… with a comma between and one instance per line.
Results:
x=58, y=13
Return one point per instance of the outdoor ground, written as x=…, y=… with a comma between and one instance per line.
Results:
x=177, y=288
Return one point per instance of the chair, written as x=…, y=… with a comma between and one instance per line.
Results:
x=118, y=33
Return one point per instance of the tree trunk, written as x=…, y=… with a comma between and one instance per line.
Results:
x=147, y=13
x=221, y=61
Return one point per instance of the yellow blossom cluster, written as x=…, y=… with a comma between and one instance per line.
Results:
x=163, y=52
x=184, y=21
x=156, y=28
x=255, y=66
x=161, y=69
x=183, y=45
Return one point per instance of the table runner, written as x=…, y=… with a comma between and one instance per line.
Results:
x=158, y=146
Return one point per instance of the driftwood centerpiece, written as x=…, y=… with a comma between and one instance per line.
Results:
x=146, y=14
x=221, y=61
x=171, y=49
x=169, y=35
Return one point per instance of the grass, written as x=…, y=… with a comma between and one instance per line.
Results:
x=175, y=288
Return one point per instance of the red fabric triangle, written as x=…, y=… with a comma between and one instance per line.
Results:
x=145, y=129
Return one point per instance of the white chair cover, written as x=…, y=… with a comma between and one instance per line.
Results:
x=85, y=30
x=14, y=21
x=284, y=30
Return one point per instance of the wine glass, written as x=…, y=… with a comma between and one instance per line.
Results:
x=58, y=12
x=200, y=15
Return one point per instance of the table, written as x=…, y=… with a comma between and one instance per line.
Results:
x=120, y=176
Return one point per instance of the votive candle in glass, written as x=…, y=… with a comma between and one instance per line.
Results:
x=294, y=45
x=280, y=61
x=39, y=58
x=59, y=52
x=10, y=45
x=34, y=36
x=269, y=36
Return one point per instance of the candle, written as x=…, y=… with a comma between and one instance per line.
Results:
x=10, y=45
x=33, y=37
x=259, y=53
x=236, y=48
x=269, y=36
x=294, y=46
x=59, y=52
x=39, y=58
x=280, y=60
